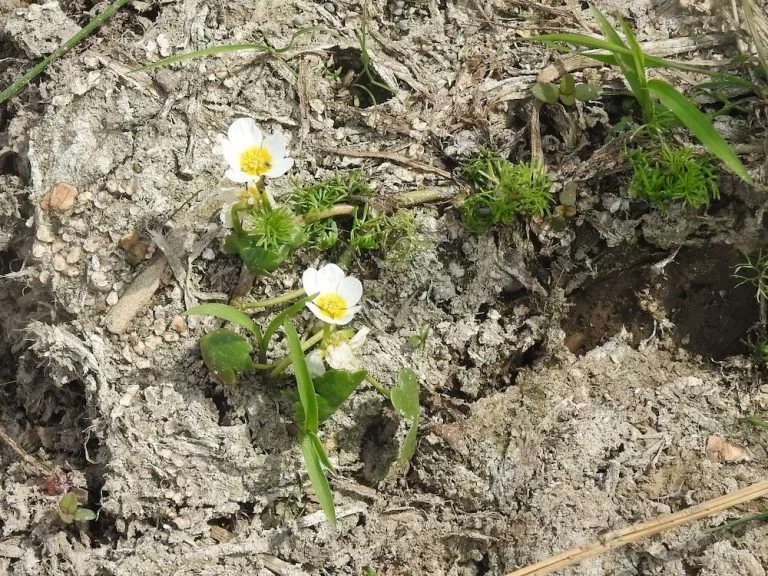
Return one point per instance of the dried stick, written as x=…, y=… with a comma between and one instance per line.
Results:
x=625, y=536
x=38, y=466
x=392, y=157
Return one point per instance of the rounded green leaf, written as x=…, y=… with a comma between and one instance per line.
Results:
x=68, y=504
x=226, y=353
x=84, y=515
x=585, y=92
x=545, y=91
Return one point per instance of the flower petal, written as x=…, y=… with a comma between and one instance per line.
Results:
x=275, y=143
x=347, y=318
x=315, y=363
x=279, y=167
x=231, y=153
x=309, y=281
x=351, y=289
x=341, y=357
x=238, y=176
x=359, y=339
x=315, y=309
x=328, y=278
x=243, y=133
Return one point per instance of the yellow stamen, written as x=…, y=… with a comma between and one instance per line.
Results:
x=255, y=161
x=332, y=305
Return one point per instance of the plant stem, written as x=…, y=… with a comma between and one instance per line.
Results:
x=337, y=210
x=274, y=301
x=375, y=383
x=306, y=345
x=424, y=195
x=36, y=70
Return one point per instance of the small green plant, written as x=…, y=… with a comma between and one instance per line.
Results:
x=503, y=191
x=658, y=100
x=419, y=340
x=672, y=174
x=567, y=91
x=755, y=272
x=71, y=511
x=325, y=364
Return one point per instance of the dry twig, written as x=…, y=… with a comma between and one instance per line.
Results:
x=391, y=156
x=628, y=535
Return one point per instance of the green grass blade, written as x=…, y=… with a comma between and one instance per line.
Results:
x=220, y=49
x=320, y=449
x=699, y=124
x=36, y=70
x=304, y=384
x=317, y=477
x=227, y=313
x=638, y=60
x=278, y=320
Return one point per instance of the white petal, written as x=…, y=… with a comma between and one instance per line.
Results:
x=238, y=176
x=347, y=318
x=275, y=143
x=309, y=281
x=315, y=363
x=351, y=289
x=315, y=309
x=359, y=339
x=328, y=278
x=231, y=154
x=341, y=357
x=279, y=167
x=243, y=133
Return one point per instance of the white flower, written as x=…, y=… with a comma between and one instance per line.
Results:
x=251, y=155
x=339, y=354
x=337, y=294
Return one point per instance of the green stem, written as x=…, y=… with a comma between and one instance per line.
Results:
x=274, y=301
x=306, y=345
x=375, y=383
x=422, y=196
x=35, y=71
x=259, y=366
x=235, y=216
x=337, y=210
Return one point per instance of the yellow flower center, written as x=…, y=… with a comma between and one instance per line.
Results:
x=255, y=161
x=332, y=305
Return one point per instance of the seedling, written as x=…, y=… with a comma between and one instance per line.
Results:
x=419, y=341
x=633, y=62
x=672, y=174
x=503, y=190
x=70, y=511
x=567, y=91
x=321, y=390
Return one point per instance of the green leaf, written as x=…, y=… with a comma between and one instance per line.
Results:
x=68, y=504
x=201, y=53
x=405, y=399
x=567, y=90
x=320, y=449
x=545, y=91
x=227, y=313
x=699, y=124
x=84, y=515
x=586, y=92
x=226, y=353
x=641, y=90
x=255, y=257
x=307, y=395
x=317, y=477
x=278, y=320
x=332, y=389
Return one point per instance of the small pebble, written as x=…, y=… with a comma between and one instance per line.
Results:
x=44, y=233
x=178, y=325
x=74, y=255
x=44, y=277
x=59, y=263
x=404, y=25
x=90, y=245
x=99, y=281
x=61, y=198
x=39, y=250
x=330, y=7
x=112, y=298
x=208, y=254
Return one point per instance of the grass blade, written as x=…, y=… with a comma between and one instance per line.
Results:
x=638, y=58
x=278, y=321
x=304, y=384
x=227, y=313
x=757, y=24
x=317, y=477
x=320, y=449
x=220, y=49
x=36, y=70
x=699, y=124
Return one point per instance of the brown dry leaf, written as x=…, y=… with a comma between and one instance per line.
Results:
x=61, y=198
x=720, y=450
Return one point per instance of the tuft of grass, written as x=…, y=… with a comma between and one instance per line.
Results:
x=672, y=174
x=755, y=272
x=503, y=190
